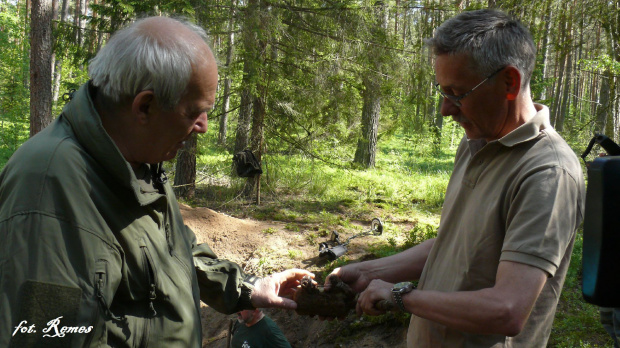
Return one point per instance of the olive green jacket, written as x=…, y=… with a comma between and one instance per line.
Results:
x=93, y=253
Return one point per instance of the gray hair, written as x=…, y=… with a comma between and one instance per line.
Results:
x=135, y=60
x=491, y=38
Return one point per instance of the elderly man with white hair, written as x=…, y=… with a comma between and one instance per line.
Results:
x=94, y=250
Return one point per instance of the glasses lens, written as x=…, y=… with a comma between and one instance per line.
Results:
x=453, y=99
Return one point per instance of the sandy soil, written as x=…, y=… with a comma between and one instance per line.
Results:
x=263, y=248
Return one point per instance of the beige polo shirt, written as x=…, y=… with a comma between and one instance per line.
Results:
x=519, y=198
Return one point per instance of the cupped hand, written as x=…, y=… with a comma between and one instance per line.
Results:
x=271, y=291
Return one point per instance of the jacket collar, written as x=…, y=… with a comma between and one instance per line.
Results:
x=87, y=126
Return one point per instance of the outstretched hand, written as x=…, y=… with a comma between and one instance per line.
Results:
x=270, y=291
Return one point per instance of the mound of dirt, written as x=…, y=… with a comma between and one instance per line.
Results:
x=262, y=248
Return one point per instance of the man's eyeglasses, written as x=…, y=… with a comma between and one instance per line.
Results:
x=456, y=99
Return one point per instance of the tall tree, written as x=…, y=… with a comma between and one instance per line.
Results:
x=40, y=66
x=185, y=174
x=228, y=79
x=371, y=93
x=250, y=55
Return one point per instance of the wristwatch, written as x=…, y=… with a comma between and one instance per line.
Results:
x=398, y=291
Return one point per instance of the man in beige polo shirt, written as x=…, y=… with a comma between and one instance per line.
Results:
x=493, y=275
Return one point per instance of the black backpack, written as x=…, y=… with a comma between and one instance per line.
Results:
x=246, y=164
x=601, y=226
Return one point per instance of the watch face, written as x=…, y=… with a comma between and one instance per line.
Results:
x=403, y=287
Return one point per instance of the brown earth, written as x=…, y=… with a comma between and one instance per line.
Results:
x=266, y=247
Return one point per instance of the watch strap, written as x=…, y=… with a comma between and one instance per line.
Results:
x=397, y=294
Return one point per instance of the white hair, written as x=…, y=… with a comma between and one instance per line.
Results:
x=136, y=59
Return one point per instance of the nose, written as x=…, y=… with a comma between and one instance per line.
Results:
x=201, y=123
x=448, y=108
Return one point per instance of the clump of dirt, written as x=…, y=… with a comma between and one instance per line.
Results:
x=262, y=248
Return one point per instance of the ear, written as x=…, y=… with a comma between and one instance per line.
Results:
x=142, y=106
x=512, y=79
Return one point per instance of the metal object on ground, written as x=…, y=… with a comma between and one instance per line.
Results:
x=334, y=248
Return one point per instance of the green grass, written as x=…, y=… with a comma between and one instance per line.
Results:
x=577, y=322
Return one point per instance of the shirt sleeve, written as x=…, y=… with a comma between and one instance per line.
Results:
x=542, y=219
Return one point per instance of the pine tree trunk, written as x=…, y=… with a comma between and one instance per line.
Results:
x=58, y=61
x=227, y=82
x=367, y=144
x=545, y=49
x=258, y=118
x=185, y=176
x=565, y=98
x=242, y=136
x=258, y=104
x=40, y=66
x=250, y=39
x=602, y=110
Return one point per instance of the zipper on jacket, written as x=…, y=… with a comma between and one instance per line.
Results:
x=151, y=280
x=100, y=279
x=168, y=236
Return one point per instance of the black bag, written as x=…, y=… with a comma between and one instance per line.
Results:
x=601, y=227
x=246, y=164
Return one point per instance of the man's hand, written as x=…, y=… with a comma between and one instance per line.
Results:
x=268, y=291
x=352, y=276
x=377, y=291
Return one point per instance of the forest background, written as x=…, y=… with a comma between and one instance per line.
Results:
x=336, y=99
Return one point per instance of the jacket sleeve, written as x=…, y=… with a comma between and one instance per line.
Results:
x=223, y=284
x=49, y=271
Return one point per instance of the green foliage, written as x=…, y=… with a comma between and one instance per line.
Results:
x=270, y=230
x=419, y=234
x=602, y=64
x=14, y=78
x=577, y=322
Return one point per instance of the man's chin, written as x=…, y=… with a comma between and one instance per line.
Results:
x=170, y=155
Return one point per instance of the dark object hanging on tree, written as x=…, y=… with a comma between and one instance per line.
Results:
x=246, y=164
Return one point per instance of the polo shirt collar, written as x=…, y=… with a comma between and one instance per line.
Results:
x=530, y=129
x=525, y=132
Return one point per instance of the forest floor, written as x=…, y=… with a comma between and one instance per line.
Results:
x=270, y=246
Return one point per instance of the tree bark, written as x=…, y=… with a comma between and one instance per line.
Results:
x=568, y=65
x=250, y=57
x=242, y=136
x=227, y=83
x=185, y=176
x=367, y=144
x=258, y=104
x=40, y=66
x=58, y=62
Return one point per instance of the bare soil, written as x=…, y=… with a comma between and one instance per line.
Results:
x=267, y=247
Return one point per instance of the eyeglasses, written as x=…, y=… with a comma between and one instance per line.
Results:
x=456, y=99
